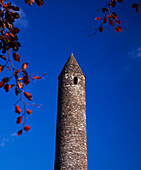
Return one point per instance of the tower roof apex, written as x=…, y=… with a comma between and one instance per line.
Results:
x=71, y=66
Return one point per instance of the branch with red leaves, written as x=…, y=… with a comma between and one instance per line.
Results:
x=111, y=16
x=31, y=2
x=19, y=77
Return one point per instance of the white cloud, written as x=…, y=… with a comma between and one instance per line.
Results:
x=133, y=57
x=139, y=52
x=135, y=53
x=22, y=21
x=4, y=140
x=13, y=134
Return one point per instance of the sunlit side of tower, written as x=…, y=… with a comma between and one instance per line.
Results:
x=71, y=139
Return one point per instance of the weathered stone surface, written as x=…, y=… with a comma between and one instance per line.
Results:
x=71, y=140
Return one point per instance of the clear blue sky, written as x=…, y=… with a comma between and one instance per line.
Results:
x=112, y=65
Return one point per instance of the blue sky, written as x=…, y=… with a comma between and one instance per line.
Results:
x=111, y=63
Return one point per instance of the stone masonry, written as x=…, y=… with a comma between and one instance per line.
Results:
x=71, y=138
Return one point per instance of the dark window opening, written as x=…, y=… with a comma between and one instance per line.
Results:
x=75, y=80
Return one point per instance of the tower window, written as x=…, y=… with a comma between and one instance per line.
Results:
x=75, y=80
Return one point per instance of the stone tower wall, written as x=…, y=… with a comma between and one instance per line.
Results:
x=71, y=142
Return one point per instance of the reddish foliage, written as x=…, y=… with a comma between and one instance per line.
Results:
x=100, y=29
x=16, y=57
x=19, y=132
x=118, y=22
x=9, y=46
x=1, y=68
x=17, y=109
x=116, y=29
x=24, y=66
x=26, y=80
x=27, y=128
x=39, y=2
x=105, y=20
x=136, y=6
x=15, y=30
x=19, y=120
x=7, y=87
x=30, y=2
x=20, y=85
x=120, y=29
x=1, y=84
x=5, y=79
x=98, y=18
x=113, y=3
x=1, y=1
x=29, y=111
x=16, y=91
x=28, y=95
x=112, y=16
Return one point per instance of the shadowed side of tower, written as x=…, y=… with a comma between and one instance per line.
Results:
x=71, y=140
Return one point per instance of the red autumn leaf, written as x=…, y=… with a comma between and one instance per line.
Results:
x=6, y=87
x=116, y=29
x=118, y=22
x=30, y=2
x=29, y=111
x=19, y=132
x=16, y=73
x=13, y=36
x=17, y=91
x=26, y=80
x=24, y=66
x=27, y=128
x=114, y=15
x=1, y=68
x=104, y=20
x=3, y=57
x=113, y=3
x=15, y=15
x=109, y=16
x=28, y=95
x=7, y=34
x=21, y=78
x=120, y=29
x=137, y=9
x=19, y=120
x=20, y=84
x=16, y=57
x=36, y=77
x=15, y=30
x=5, y=79
x=17, y=109
x=98, y=18
x=15, y=8
x=111, y=22
x=136, y=6
x=104, y=10
x=39, y=2
x=2, y=1
x=11, y=85
x=100, y=29
x=1, y=84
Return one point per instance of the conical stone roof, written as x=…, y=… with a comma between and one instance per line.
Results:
x=71, y=66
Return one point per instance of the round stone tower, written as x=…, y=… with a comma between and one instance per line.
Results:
x=71, y=140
